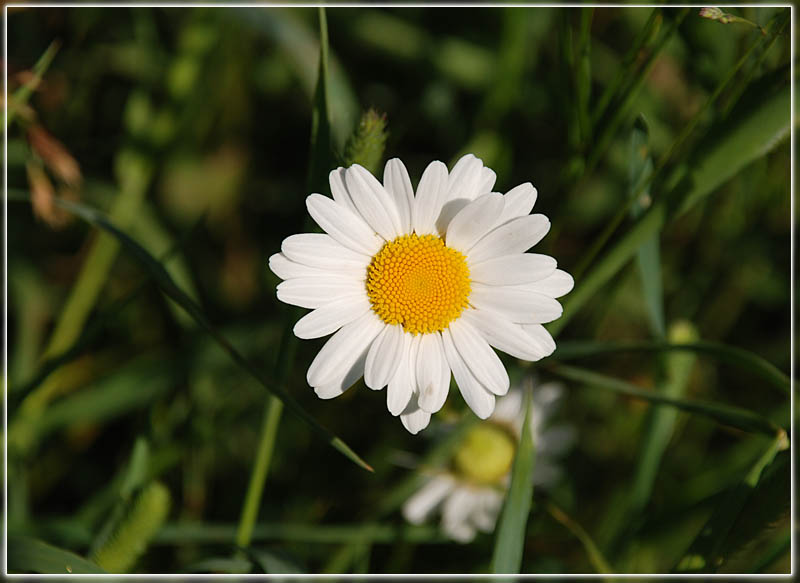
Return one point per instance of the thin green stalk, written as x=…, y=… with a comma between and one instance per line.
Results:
x=24, y=93
x=252, y=501
x=743, y=419
x=624, y=210
x=583, y=81
x=622, y=108
x=595, y=556
x=626, y=69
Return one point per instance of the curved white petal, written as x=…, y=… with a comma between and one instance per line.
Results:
x=540, y=337
x=465, y=178
x=343, y=224
x=509, y=407
x=315, y=292
x=329, y=318
x=431, y=380
x=339, y=385
x=285, y=268
x=414, y=418
x=506, y=336
x=417, y=508
x=480, y=358
x=456, y=512
x=519, y=202
x=487, y=509
x=398, y=184
x=557, y=284
x=480, y=400
x=473, y=221
x=323, y=251
x=341, y=195
x=403, y=383
x=487, y=180
x=513, y=269
x=343, y=350
x=431, y=195
x=383, y=358
x=515, y=236
x=373, y=202
x=518, y=304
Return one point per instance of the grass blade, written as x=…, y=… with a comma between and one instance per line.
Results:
x=168, y=286
x=706, y=553
x=27, y=555
x=595, y=556
x=752, y=137
x=730, y=355
x=648, y=256
x=734, y=416
x=510, y=532
x=23, y=94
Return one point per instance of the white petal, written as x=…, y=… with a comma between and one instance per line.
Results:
x=343, y=224
x=506, y=336
x=516, y=236
x=339, y=188
x=431, y=380
x=519, y=202
x=431, y=195
x=323, y=251
x=518, y=304
x=473, y=221
x=373, y=202
x=509, y=407
x=465, y=178
x=403, y=383
x=330, y=317
x=488, y=508
x=456, y=511
x=476, y=396
x=513, y=269
x=487, y=180
x=414, y=418
x=398, y=184
x=343, y=350
x=339, y=385
x=540, y=337
x=559, y=283
x=480, y=358
x=417, y=508
x=315, y=292
x=384, y=356
x=285, y=268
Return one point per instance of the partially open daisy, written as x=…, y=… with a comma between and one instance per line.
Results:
x=418, y=286
x=470, y=490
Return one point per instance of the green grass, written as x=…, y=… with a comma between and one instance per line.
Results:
x=159, y=418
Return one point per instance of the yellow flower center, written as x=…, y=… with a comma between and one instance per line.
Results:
x=419, y=283
x=486, y=454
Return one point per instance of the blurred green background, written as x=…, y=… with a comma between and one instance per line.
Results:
x=191, y=128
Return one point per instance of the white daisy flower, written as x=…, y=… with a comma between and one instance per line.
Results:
x=417, y=287
x=471, y=492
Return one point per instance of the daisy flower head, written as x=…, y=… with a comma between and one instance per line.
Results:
x=417, y=286
x=470, y=492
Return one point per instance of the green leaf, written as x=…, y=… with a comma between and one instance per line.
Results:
x=726, y=414
x=648, y=256
x=750, y=137
x=730, y=355
x=510, y=532
x=708, y=551
x=595, y=556
x=211, y=533
x=168, y=286
x=27, y=555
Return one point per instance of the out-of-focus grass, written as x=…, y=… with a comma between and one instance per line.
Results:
x=216, y=104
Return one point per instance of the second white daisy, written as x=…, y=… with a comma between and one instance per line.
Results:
x=417, y=287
